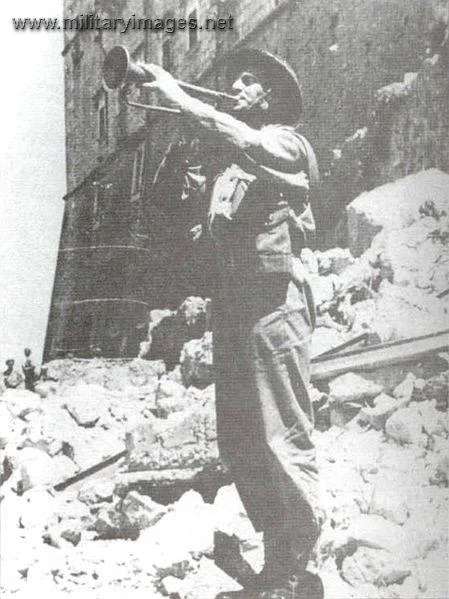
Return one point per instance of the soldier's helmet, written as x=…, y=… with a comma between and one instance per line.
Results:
x=275, y=74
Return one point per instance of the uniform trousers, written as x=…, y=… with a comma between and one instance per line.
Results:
x=262, y=325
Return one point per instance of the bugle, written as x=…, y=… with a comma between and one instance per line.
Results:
x=119, y=70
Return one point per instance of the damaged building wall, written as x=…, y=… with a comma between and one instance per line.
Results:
x=343, y=51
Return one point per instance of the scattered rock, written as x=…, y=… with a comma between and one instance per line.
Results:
x=394, y=206
x=21, y=403
x=334, y=261
x=404, y=390
x=141, y=511
x=110, y=523
x=196, y=362
x=98, y=491
x=374, y=566
x=352, y=388
x=376, y=416
x=405, y=426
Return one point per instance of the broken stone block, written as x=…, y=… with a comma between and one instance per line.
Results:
x=323, y=289
x=184, y=439
x=404, y=390
x=197, y=362
x=352, y=388
x=112, y=524
x=377, y=416
x=434, y=422
x=191, y=523
x=334, y=261
x=36, y=468
x=21, y=402
x=193, y=311
x=92, y=446
x=394, y=206
x=97, y=491
x=52, y=431
x=324, y=339
x=208, y=581
x=368, y=530
x=141, y=511
x=171, y=586
x=170, y=397
x=405, y=426
x=342, y=414
x=437, y=388
x=309, y=260
x=374, y=566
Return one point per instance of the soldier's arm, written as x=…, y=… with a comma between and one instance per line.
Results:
x=268, y=146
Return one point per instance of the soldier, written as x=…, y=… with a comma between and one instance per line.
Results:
x=259, y=217
x=29, y=371
x=11, y=378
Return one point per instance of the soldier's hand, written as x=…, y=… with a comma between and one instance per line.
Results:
x=162, y=81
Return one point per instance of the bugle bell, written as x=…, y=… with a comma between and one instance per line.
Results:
x=120, y=70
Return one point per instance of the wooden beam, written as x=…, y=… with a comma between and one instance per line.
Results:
x=377, y=356
x=89, y=471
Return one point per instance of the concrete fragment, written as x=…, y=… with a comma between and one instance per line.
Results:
x=374, y=566
x=323, y=289
x=376, y=416
x=141, y=511
x=21, y=402
x=309, y=261
x=324, y=339
x=197, y=362
x=36, y=468
x=394, y=206
x=352, y=388
x=437, y=388
x=170, y=397
x=112, y=524
x=334, y=261
x=208, y=581
x=185, y=439
x=172, y=586
x=186, y=530
x=405, y=389
x=369, y=530
x=97, y=491
x=405, y=426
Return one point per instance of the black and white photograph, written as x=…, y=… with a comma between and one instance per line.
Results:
x=224, y=273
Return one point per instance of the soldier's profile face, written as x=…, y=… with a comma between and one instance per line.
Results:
x=249, y=90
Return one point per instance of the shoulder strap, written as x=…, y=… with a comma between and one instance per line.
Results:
x=313, y=171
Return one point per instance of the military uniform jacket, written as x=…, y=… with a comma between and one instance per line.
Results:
x=260, y=214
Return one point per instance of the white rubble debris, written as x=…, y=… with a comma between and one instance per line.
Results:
x=383, y=451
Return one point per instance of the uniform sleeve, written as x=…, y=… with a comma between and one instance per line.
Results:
x=280, y=148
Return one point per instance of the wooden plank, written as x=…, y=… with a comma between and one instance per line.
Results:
x=377, y=356
x=89, y=471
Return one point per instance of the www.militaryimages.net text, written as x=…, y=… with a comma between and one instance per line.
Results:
x=89, y=22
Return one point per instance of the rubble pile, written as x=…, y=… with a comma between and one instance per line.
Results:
x=140, y=526
x=384, y=484
x=393, y=280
